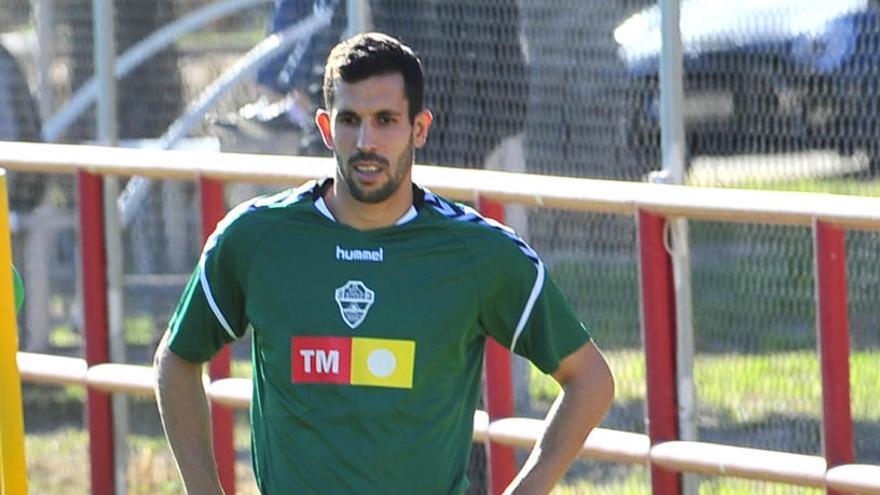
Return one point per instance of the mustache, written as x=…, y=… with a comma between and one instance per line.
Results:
x=367, y=157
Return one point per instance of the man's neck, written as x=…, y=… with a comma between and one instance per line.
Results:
x=365, y=216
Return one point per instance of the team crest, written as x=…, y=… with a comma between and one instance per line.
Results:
x=354, y=300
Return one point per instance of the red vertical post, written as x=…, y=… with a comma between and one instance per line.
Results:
x=99, y=414
x=499, y=388
x=833, y=328
x=658, y=325
x=222, y=417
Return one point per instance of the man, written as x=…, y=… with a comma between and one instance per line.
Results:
x=370, y=300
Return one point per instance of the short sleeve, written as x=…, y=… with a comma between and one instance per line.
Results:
x=211, y=311
x=526, y=312
x=552, y=330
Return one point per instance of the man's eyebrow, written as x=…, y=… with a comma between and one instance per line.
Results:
x=385, y=111
x=390, y=114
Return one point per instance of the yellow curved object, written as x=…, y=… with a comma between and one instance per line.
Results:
x=13, y=469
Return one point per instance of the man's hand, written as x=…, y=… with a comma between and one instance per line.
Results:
x=183, y=406
x=587, y=392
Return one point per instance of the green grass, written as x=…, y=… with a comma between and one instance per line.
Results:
x=64, y=336
x=634, y=481
x=744, y=388
x=637, y=482
x=41, y=396
x=140, y=330
x=832, y=186
x=761, y=281
x=137, y=330
x=753, y=289
x=628, y=368
x=753, y=308
x=57, y=463
x=740, y=389
x=241, y=368
x=605, y=294
x=733, y=486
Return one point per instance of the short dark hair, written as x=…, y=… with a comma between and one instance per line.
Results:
x=374, y=54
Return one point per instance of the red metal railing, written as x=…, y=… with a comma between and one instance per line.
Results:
x=658, y=322
x=99, y=414
x=659, y=334
x=656, y=283
x=833, y=316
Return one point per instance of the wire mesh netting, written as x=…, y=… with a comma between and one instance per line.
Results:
x=593, y=258
x=778, y=95
x=864, y=341
x=756, y=367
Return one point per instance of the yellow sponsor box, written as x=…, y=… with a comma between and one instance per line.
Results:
x=382, y=362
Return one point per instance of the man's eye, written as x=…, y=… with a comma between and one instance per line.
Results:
x=346, y=119
x=386, y=119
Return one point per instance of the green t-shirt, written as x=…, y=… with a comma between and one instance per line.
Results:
x=368, y=345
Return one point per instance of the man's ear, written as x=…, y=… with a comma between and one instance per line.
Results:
x=421, y=126
x=322, y=119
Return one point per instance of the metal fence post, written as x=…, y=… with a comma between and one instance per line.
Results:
x=360, y=19
x=658, y=334
x=499, y=388
x=104, y=54
x=833, y=328
x=673, y=146
x=94, y=265
x=13, y=468
x=222, y=417
x=44, y=20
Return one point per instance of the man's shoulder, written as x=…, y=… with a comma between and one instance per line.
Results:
x=262, y=212
x=479, y=232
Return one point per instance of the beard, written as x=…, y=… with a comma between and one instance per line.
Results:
x=396, y=174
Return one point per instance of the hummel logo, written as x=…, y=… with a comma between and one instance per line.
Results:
x=373, y=255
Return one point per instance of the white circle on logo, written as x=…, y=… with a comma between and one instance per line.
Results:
x=381, y=362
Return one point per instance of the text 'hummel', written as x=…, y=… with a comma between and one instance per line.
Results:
x=373, y=255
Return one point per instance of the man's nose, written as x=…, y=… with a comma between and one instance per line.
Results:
x=366, y=137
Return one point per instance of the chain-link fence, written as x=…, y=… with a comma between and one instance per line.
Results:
x=864, y=340
x=777, y=95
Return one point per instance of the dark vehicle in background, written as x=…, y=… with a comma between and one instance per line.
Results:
x=761, y=77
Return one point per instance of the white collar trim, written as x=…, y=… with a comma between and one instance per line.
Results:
x=407, y=217
x=321, y=206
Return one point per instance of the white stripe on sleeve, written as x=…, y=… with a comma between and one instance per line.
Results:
x=530, y=304
x=211, y=302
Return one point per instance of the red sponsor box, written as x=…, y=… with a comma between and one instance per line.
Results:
x=320, y=359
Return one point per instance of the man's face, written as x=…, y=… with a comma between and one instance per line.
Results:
x=372, y=137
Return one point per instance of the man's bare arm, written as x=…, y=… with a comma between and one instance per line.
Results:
x=183, y=406
x=587, y=392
